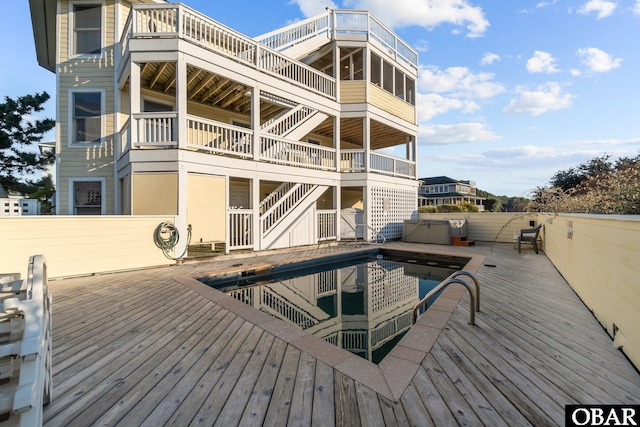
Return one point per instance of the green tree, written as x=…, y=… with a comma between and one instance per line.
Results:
x=574, y=176
x=606, y=188
x=19, y=132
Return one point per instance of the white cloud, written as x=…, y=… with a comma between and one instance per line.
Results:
x=542, y=62
x=545, y=4
x=423, y=45
x=458, y=82
x=455, y=134
x=603, y=8
x=636, y=7
x=489, y=58
x=432, y=104
x=598, y=60
x=540, y=5
x=612, y=142
x=313, y=7
x=575, y=73
x=544, y=98
x=425, y=13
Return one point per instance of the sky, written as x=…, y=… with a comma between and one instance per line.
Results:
x=509, y=92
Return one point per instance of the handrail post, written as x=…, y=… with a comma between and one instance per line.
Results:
x=474, y=298
x=475, y=281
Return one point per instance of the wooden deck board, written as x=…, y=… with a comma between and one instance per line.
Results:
x=140, y=348
x=278, y=409
x=87, y=385
x=262, y=393
x=302, y=402
x=323, y=405
x=219, y=395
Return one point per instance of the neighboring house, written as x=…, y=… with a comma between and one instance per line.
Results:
x=17, y=205
x=442, y=190
x=259, y=143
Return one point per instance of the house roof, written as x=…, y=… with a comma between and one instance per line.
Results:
x=43, y=20
x=451, y=194
x=442, y=180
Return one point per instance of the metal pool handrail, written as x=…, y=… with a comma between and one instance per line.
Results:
x=473, y=296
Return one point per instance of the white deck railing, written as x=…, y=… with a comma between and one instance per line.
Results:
x=284, y=38
x=160, y=130
x=25, y=345
x=341, y=22
x=326, y=220
x=219, y=138
x=156, y=129
x=279, y=150
x=180, y=21
x=124, y=139
x=389, y=165
x=353, y=161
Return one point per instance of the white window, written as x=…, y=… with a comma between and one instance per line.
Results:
x=86, y=34
x=85, y=121
x=86, y=196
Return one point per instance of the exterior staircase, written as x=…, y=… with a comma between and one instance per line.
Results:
x=299, y=39
x=295, y=123
x=292, y=203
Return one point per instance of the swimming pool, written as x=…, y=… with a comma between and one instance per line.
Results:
x=363, y=304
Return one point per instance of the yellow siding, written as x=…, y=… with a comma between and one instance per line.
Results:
x=206, y=210
x=353, y=92
x=85, y=73
x=391, y=104
x=351, y=199
x=601, y=263
x=155, y=194
x=125, y=195
x=75, y=245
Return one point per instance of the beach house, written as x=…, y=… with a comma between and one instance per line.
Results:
x=442, y=190
x=257, y=142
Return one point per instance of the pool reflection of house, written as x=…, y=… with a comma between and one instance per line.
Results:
x=442, y=190
x=359, y=308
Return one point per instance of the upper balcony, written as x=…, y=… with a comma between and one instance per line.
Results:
x=271, y=53
x=335, y=24
x=162, y=21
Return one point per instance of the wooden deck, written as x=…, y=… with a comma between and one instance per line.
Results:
x=143, y=348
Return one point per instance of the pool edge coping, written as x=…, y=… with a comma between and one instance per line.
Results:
x=391, y=377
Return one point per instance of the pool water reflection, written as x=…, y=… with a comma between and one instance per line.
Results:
x=363, y=305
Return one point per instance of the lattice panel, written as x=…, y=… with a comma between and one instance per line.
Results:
x=389, y=207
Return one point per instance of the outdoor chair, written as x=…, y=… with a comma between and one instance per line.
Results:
x=528, y=235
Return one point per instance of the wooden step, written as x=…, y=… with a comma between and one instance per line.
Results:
x=461, y=241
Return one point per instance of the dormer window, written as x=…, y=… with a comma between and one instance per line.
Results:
x=87, y=29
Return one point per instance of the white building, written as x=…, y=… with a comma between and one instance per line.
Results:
x=258, y=143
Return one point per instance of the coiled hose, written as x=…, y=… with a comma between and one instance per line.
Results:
x=172, y=238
